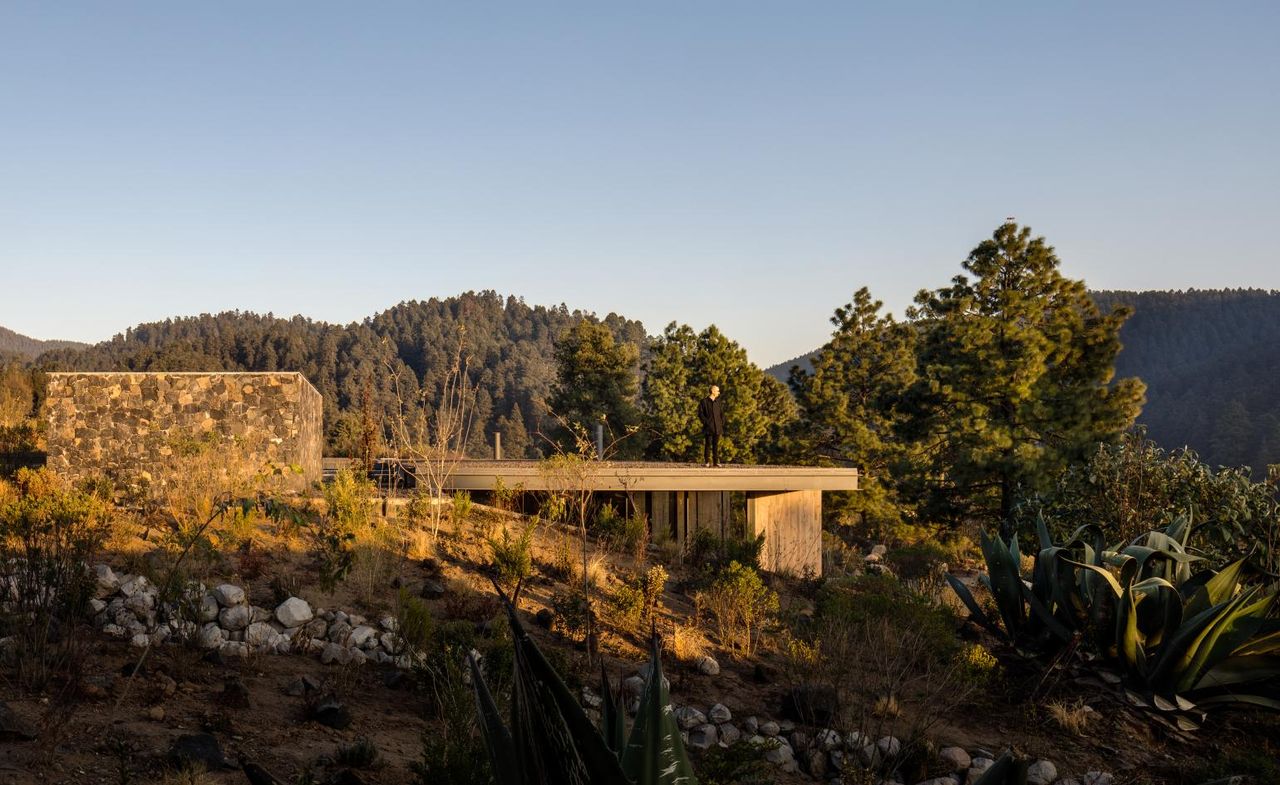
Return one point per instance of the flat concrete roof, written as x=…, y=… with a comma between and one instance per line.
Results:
x=482, y=475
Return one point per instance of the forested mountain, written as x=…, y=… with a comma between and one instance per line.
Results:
x=17, y=345
x=1211, y=363
x=509, y=345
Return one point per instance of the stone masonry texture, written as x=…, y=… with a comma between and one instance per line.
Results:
x=125, y=424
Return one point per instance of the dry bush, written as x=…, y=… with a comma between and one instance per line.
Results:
x=1071, y=717
x=376, y=556
x=687, y=643
x=192, y=775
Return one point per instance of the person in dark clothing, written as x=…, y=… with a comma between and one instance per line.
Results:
x=711, y=414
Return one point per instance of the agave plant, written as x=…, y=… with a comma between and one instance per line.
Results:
x=1174, y=634
x=551, y=740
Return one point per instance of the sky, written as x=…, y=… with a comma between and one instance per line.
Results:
x=744, y=164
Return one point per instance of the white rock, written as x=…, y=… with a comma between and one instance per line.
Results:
x=828, y=739
x=140, y=641
x=769, y=729
x=97, y=606
x=316, y=628
x=704, y=736
x=751, y=725
x=361, y=635
x=338, y=631
x=358, y=657
x=633, y=686
x=779, y=753
x=141, y=602
x=1042, y=772
x=688, y=717
x=260, y=634
x=107, y=582
x=708, y=665
x=234, y=618
x=294, y=612
x=335, y=652
x=729, y=733
x=210, y=637
x=208, y=610
x=390, y=642
x=228, y=595
x=888, y=746
x=134, y=584
x=114, y=630
x=1098, y=778
x=389, y=624
x=955, y=758
x=719, y=713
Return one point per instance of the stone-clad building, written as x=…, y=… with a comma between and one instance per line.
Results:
x=123, y=424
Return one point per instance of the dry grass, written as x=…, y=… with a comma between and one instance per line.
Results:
x=886, y=707
x=1071, y=717
x=688, y=643
x=194, y=775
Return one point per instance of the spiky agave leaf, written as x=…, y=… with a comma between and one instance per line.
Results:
x=655, y=753
x=613, y=722
x=1005, y=582
x=497, y=738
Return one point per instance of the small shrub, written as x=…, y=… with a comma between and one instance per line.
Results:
x=512, y=557
x=415, y=625
x=349, y=500
x=921, y=565
x=739, y=763
x=687, y=643
x=863, y=600
x=1071, y=717
x=572, y=612
x=978, y=664
x=711, y=555
x=417, y=510
x=563, y=564
x=628, y=607
x=652, y=585
x=374, y=557
x=461, y=506
x=362, y=754
x=740, y=604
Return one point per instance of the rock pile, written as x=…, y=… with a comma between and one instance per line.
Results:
x=221, y=618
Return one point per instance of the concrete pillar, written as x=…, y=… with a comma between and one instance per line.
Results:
x=791, y=522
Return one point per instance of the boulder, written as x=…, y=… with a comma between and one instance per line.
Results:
x=955, y=758
x=751, y=725
x=106, y=581
x=293, y=612
x=729, y=733
x=704, y=736
x=234, y=618
x=633, y=686
x=228, y=595
x=888, y=746
x=719, y=713
x=828, y=739
x=332, y=713
x=769, y=729
x=1041, y=772
x=14, y=727
x=134, y=584
x=708, y=665
x=335, y=652
x=260, y=635
x=1097, y=778
x=210, y=636
x=778, y=752
x=316, y=628
x=688, y=717
x=208, y=610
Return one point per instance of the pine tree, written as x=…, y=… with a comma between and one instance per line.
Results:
x=595, y=383
x=1014, y=381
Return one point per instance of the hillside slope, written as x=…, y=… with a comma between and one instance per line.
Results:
x=14, y=344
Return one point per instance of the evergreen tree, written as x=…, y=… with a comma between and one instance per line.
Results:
x=849, y=406
x=595, y=383
x=682, y=368
x=1014, y=378
x=515, y=435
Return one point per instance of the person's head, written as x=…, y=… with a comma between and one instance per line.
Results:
x=715, y=392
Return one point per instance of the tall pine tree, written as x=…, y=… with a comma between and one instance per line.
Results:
x=596, y=383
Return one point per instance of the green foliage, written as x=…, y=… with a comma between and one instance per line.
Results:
x=595, y=382
x=623, y=534
x=414, y=623
x=461, y=506
x=849, y=412
x=1134, y=486
x=711, y=555
x=862, y=601
x=512, y=557
x=572, y=611
x=740, y=604
x=349, y=500
x=49, y=533
x=921, y=565
x=651, y=586
x=1170, y=632
x=681, y=369
x=1014, y=379
x=628, y=608
x=17, y=395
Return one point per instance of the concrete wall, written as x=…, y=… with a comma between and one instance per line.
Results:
x=124, y=424
x=792, y=526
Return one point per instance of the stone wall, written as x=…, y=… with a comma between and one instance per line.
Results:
x=125, y=424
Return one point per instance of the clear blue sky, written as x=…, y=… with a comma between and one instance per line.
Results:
x=746, y=164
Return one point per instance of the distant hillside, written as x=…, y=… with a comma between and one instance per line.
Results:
x=509, y=343
x=17, y=345
x=1211, y=361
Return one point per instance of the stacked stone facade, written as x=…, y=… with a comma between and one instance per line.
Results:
x=126, y=424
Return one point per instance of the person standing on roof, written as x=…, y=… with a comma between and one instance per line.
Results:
x=711, y=415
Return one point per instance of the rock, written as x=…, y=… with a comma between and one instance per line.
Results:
x=331, y=713
x=134, y=584
x=888, y=746
x=198, y=749
x=390, y=642
x=1042, y=772
x=955, y=758
x=234, y=618
x=719, y=713
x=799, y=740
x=301, y=686
x=293, y=612
x=544, y=618
x=431, y=589
x=828, y=739
x=1097, y=778
x=880, y=550
x=140, y=641
x=810, y=704
x=358, y=657
x=208, y=610
x=779, y=753
x=141, y=603
x=751, y=725
x=590, y=699
x=210, y=636
x=633, y=686
x=107, y=582
x=228, y=595
x=687, y=717
x=729, y=734
x=815, y=763
x=335, y=652
x=14, y=727
x=977, y=767
x=260, y=635
x=362, y=635
x=257, y=614
x=708, y=665
x=837, y=761
x=769, y=729
x=704, y=736
x=941, y=781
x=114, y=630
x=154, y=713
x=339, y=629
x=234, y=649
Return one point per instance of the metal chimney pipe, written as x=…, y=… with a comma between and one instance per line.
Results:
x=497, y=445
x=600, y=440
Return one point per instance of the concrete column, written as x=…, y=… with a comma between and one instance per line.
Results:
x=791, y=522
